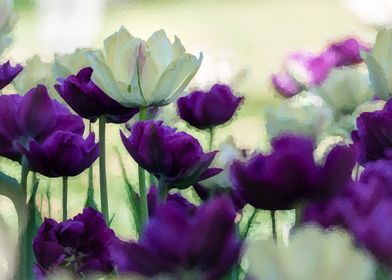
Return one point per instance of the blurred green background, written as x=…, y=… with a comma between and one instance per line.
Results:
x=243, y=42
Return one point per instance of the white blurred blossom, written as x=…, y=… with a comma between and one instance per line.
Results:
x=7, y=22
x=377, y=13
x=311, y=254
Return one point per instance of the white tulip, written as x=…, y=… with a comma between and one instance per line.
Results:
x=143, y=73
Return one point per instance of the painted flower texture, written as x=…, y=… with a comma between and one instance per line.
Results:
x=140, y=73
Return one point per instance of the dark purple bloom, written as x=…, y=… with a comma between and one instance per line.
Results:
x=355, y=201
x=89, y=101
x=79, y=245
x=347, y=52
x=32, y=116
x=172, y=198
x=374, y=134
x=199, y=246
x=8, y=73
x=208, y=109
x=62, y=154
x=176, y=156
x=286, y=85
x=290, y=174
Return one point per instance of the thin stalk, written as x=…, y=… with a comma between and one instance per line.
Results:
x=90, y=202
x=273, y=225
x=65, y=198
x=162, y=189
x=142, y=180
x=48, y=197
x=211, y=134
x=298, y=215
x=102, y=169
x=249, y=224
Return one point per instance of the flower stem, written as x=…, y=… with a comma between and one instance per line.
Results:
x=211, y=142
x=249, y=224
x=65, y=197
x=273, y=225
x=102, y=169
x=142, y=181
x=90, y=202
x=162, y=189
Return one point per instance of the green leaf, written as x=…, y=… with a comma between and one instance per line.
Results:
x=377, y=77
x=133, y=197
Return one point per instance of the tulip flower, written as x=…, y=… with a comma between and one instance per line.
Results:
x=289, y=174
x=89, y=101
x=285, y=85
x=200, y=109
x=32, y=116
x=78, y=246
x=176, y=158
x=65, y=65
x=207, y=249
x=140, y=73
x=61, y=154
x=347, y=52
x=8, y=73
x=374, y=134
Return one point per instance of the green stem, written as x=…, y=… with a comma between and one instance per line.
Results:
x=142, y=181
x=273, y=225
x=298, y=215
x=249, y=224
x=162, y=189
x=90, y=202
x=65, y=198
x=211, y=142
x=23, y=248
x=102, y=169
x=48, y=197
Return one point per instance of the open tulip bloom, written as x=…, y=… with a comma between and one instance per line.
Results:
x=197, y=211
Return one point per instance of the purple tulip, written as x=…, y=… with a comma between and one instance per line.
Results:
x=290, y=174
x=356, y=201
x=175, y=156
x=286, y=85
x=347, y=52
x=374, y=134
x=79, y=245
x=8, y=73
x=208, y=109
x=62, y=154
x=176, y=244
x=89, y=101
x=32, y=116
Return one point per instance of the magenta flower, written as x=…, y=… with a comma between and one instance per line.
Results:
x=178, y=245
x=208, y=109
x=89, y=101
x=79, y=246
x=8, y=73
x=175, y=156
x=32, y=116
x=347, y=52
x=285, y=85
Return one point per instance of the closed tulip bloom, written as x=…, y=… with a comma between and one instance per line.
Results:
x=286, y=85
x=78, y=246
x=209, y=109
x=8, y=73
x=140, y=73
x=374, y=134
x=175, y=156
x=289, y=174
x=89, y=101
x=347, y=52
x=207, y=248
x=62, y=154
x=32, y=116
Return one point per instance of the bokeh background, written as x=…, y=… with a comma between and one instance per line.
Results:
x=243, y=42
